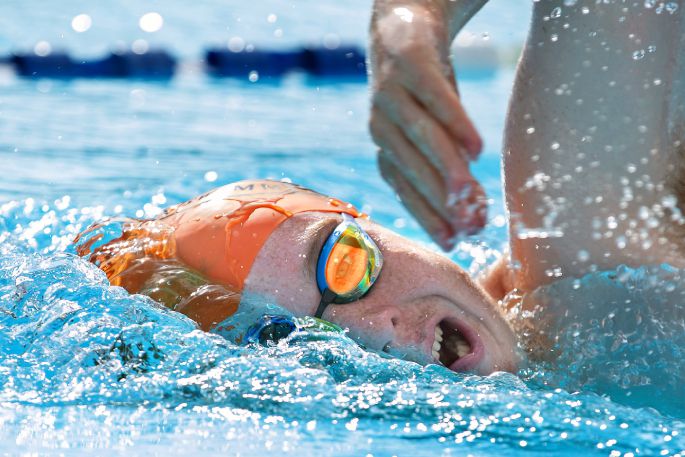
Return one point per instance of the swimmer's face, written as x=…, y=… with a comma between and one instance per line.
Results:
x=418, y=296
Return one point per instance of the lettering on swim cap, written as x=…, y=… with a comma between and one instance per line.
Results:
x=221, y=232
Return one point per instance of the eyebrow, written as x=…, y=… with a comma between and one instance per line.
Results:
x=318, y=232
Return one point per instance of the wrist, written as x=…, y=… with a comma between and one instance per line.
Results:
x=449, y=15
x=433, y=10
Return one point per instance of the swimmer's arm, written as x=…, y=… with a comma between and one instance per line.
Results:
x=458, y=13
x=425, y=137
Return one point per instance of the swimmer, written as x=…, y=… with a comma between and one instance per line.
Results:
x=272, y=242
x=594, y=140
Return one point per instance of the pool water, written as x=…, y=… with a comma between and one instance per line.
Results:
x=86, y=368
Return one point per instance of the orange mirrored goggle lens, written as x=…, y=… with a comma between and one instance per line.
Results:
x=347, y=265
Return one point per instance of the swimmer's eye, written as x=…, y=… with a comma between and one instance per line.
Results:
x=348, y=265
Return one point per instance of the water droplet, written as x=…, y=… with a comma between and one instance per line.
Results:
x=554, y=37
x=554, y=146
x=151, y=22
x=643, y=213
x=650, y=3
x=556, y=13
x=271, y=18
x=583, y=255
x=530, y=130
x=236, y=44
x=639, y=54
x=211, y=176
x=570, y=2
x=139, y=46
x=253, y=77
x=81, y=23
x=42, y=48
x=671, y=7
x=331, y=41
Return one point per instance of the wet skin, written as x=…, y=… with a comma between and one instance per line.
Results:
x=416, y=291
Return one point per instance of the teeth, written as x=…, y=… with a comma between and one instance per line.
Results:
x=457, y=344
x=463, y=348
x=436, y=344
x=438, y=333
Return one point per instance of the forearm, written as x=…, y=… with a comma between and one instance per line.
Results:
x=454, y=13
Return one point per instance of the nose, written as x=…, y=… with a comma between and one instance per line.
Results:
x=375, y=325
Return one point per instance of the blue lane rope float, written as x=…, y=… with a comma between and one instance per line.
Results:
x=345, y=61
x=348, y=62
x=155, y=64
x=224, y=63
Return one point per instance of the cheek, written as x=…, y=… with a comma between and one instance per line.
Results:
x=283, y=283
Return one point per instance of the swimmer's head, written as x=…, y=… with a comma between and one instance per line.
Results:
x=265, y=239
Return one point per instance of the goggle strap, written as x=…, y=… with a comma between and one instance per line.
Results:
x=326, y=298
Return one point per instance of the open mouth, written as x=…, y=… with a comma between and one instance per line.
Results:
x=455, y=347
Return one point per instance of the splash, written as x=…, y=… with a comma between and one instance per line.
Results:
x=87, y=365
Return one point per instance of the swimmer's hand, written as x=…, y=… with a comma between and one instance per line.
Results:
x=425, y=137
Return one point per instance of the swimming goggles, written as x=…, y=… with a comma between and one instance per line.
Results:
x=348, y=265
x=272, y=328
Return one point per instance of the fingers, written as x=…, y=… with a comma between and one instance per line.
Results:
x=439, y=96
x=417, y=169
x=428, y=163
x=422, y=191
x=437, y=227
x=427, y=134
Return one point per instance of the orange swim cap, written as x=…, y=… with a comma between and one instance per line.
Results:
x=221, y=232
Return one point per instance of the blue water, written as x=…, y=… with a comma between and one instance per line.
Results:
x=86, y=368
